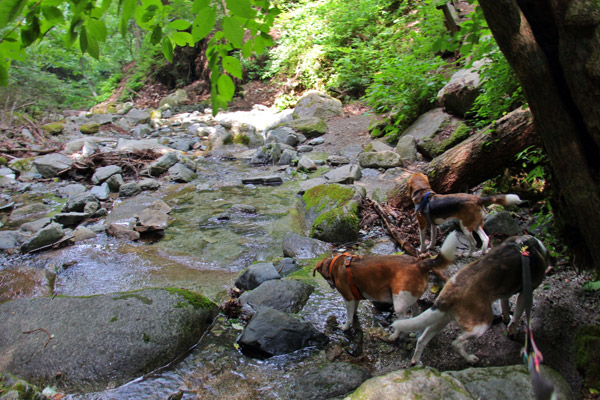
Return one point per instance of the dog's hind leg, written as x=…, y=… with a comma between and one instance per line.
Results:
x=351, y=306
x=429, y=333
x=470, y=237
x=505, y=306
x=485, y=239
x=423, y=235
x=460, y=342
x=516, y=317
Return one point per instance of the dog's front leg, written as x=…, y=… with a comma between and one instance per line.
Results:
x=460, y=342
x=519, y=307
x=428, y=334
x=423, y=238
x=505, y=306
x=351, y=306
x=433, y=236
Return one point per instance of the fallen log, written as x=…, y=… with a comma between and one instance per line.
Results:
x=480, y=157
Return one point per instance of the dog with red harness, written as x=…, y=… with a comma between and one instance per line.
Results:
x=394, y=279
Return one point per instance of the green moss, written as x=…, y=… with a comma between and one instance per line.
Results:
x=241, y=139
x=196, y=300
x=126, y=296
x=113, y=319
x=54, y=128
x=22, y=164
x=3, y=161
x=90, y=128
x=228, y=140
x=145, y=337
x=317, y=197
x=587, y=348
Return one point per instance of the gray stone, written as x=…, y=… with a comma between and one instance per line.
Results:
x=11, y=239
x=163, y=163
x=101, y=192
x=29, y=212
x=282, y=134
x=78, y=202
x=173, y=100
x=306, y=164
x=377, y=145
x=428, y=124
x=135, y=116
x=129, y=189
x=51, y=164
x=127, y=145
x=407, y=148
x=317, y=104
x=149, y=184
x=153, y=218
x=71, y=190
x=271, y=332
x=501, y=223
x=103, y=173
x=380, y=159
x=287, y=266
x=181, y=173
x=304, y=148
x=459, y=94
x=335, y=160
x=316, y=141
x=70, y=218
x=346, y=174
x=309, y=126
x=301, y=247
x=287, y=157
x=263, y=180
x=83, y=233
x=331, y=381
x=100, y=341
x=35, y=226
x=122, y=232
x=289, y=295
x=48, y=235
x=256, y=274
x=114, y=183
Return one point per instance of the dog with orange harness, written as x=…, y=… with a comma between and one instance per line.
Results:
x=394, y=279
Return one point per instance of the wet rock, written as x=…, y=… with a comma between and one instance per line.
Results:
x=302, y=247
x=256, y=274
x=407, y=148
x=46, y=236
x=29, y=212
x=101, y=192
x=83, y=233
x=11, y=239
x=271, y=332
x=288, y=295
x=72, y=189
x=35, y=226
x=129, y=189
x=103, y=173
x=70, y=218
x=114, y=183
x=51, y=164
x=149, y=184
x=181, y=173
x=287, y=266
x=263, y=180
x=346, y=174
x=317, y=104
x=102, y=341
x=163, y=163
x=26, y=282
x=380, y=159
x=306, y=164
x=332, y=381
x=78, y=202
x=122, y=232
x=501, y=223
x=153, y=218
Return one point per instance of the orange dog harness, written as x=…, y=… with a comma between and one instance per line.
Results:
x=355, y=292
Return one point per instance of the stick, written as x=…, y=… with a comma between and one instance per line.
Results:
x=401, y=242
x=41, y=330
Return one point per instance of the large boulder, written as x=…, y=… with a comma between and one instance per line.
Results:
x=331, y=381
x=51, y=164
x=302, y=247
x=317, y=104
x=48, y=235
x=255, y=275
x=459, y=94
x=428, y=124
x=287, y=295
x=96, y=342
x=380, y=159
x=332, y=212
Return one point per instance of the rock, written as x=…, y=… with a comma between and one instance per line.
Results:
x=263, y=180
x=101, y=341
x=282, y=134
x=309, y=126
x=137, y=117
x=428, y=124
x=498, y=383
x=78, y=202
x=149, y=184
x=287, y=295
x=35, y=226
x=122, y=232
x=25, y=282
x=587, y=346
x=287, y=266
x=332, y=212
x=101, y=192
x=127, y=145
x=181, y=173
x=459, y=94
x=377, y=145
x=346, y=174
x=331, y=381
x=90, y=128
x=163, y=163
x=244, y=208
x=29, y=212
x=316, y=141
x=451, y=134
x=129, y=189
x=11, y=240
x=82, y=233
x=335, y=160
x=115, y=182
x=306, y=164
x=271, y=332
x=302, y=247
x=173, y=100
x=501, y=223
x=407, y=148
x=304, y=148
x=287, y=157
x=46, y=236
x=54, y=128
x=256, y=274
x=103, y=173
x=380, y=159
x=51, y=164
x=317, y=104
x=71, y=189
x=154, y=218
x=70, y=218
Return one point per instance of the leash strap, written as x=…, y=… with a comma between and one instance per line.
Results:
x=331, y=266
x=424, y=207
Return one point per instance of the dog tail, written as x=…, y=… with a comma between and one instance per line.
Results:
x=501, y=199
x=447, y=254
x=427, y=318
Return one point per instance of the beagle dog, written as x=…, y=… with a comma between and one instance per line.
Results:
x=467, y=297
x=435, y=209
x=394, y=279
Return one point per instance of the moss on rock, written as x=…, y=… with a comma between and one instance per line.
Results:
x=196, y=300
x=587, y=348
x=54, y=128
x=90, y=128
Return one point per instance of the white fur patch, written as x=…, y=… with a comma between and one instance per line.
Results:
x=402, y=302
x=512, y=199
x=449, y=246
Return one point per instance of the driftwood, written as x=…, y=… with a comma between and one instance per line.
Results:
x=477, y=159
x=385, y=217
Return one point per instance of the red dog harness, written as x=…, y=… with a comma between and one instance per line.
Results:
x=347, y=262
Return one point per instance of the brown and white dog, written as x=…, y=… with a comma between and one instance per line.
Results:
x=467, y=297
x=394, y=279
x=435, y=209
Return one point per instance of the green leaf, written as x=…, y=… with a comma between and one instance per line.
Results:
x=591, y=286
x=226, y=87
x=247, y=49
x=97, y=29
x=167, y=48
x=233, y=66
x=203, y=23
x=241, y=8
x=83, y=42
x=199, y=5
x=179, y=24
x=53, y=14
x=127, y=11
x=30, y=32
x=9, y=10
x=156, y=35
x=93, y=49
x=233, y=31
x=182, y=38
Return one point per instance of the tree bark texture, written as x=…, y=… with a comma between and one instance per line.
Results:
x=479, y=158
x=554, y=48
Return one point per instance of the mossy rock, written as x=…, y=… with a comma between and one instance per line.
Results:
x=311, y=127
x=332, y=212
x=90, y=128
x=54, y=128
x=587, y=348
x=449, y=136
x=3, y=161
x=21, y=164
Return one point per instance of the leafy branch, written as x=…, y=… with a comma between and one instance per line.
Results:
x=236, y=26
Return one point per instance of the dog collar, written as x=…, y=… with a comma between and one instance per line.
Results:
x=424, y=203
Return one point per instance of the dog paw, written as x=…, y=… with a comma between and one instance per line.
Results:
x=472, y=358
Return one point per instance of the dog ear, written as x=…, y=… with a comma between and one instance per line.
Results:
x=318, y=266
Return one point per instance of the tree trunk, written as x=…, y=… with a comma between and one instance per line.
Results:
x=554, y=48
x=480, y=157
